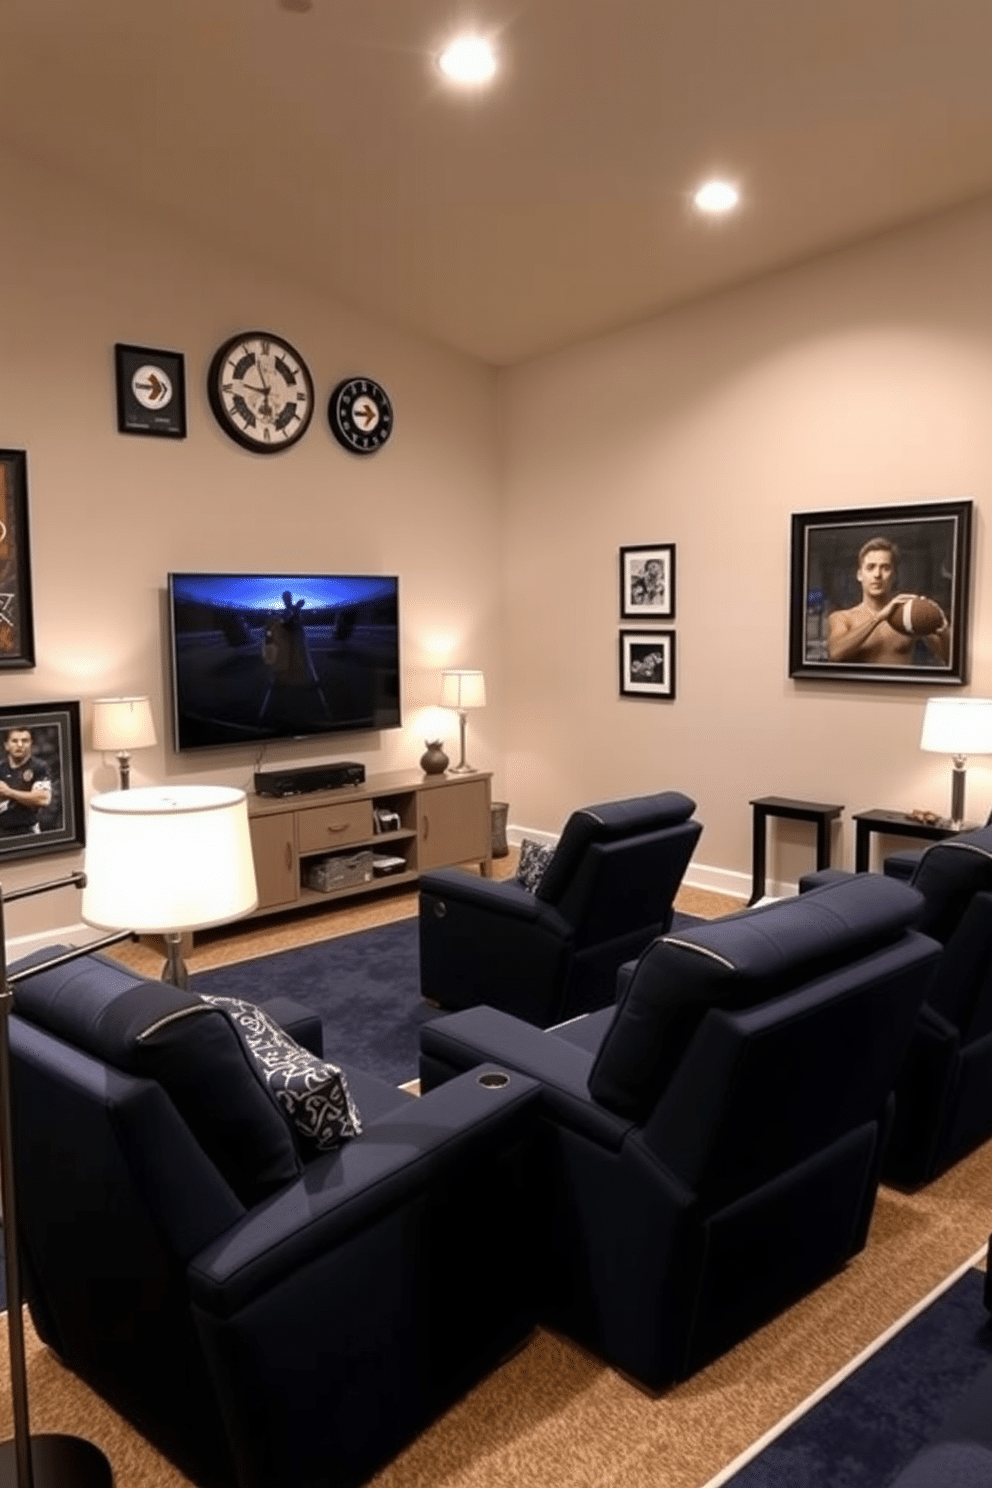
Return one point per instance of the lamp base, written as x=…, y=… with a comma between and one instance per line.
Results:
x=175, y=969
x=462, y=769
x=58, y=1462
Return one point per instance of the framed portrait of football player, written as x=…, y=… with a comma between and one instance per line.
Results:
x=880, y=594
x=16, y=614
x=41, y=780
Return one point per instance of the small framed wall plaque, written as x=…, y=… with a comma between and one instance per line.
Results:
x=151, y=391
x=647, y=582
x=647, y=663
x=16, y=611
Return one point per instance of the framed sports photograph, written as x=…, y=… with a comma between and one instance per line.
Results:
x=16, y=611
x=41, y=780
x=647, y=582
x=151, y=391
x=647, y=663
x=880, y=594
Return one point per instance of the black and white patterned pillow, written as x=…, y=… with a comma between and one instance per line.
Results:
x=534, y=859
x=311, y=1093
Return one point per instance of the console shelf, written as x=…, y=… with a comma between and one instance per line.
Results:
x=431, y=821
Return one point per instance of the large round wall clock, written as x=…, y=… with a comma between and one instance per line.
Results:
x=360, y=415
x=261, y=392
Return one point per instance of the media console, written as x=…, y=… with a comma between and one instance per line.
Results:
x=410, y=821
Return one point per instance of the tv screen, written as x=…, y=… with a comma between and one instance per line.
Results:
x=257, y=657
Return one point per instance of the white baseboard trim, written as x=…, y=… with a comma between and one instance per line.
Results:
x=23, y=945
x=728, y=881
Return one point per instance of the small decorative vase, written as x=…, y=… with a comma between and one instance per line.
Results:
x=434, y=761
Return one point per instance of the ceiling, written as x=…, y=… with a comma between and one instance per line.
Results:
x=549, y=206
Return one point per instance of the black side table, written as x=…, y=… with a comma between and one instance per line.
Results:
x=896, y=824
x=812, y=811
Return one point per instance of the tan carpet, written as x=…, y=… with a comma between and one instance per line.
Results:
x=553, y=1415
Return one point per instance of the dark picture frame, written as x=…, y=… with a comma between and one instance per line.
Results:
x=16, y=606
x=56, y=824
x=647, y=664
x=647, y=581
x=151, y=391
x=932, y=559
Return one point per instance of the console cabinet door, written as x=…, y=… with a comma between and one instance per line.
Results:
x=273, y=845
x=455, y=824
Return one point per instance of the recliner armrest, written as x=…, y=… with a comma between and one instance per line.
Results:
x=481, y=1034
x=346, y=1190
x=820, y=878
x=499, y=896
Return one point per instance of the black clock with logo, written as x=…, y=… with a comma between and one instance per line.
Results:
x=360, y=415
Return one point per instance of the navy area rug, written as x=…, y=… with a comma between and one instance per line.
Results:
x=365, y=987
x=864, y=1432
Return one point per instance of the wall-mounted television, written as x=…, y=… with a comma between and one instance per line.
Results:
x=258, y=657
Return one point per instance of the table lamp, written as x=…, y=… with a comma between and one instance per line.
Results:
x=958, y=727
x=462, y=689
x=123, y=724
x=162, y=860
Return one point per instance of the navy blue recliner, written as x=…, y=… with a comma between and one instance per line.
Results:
x=944, y=1089
x=550, y=955
x=710, y=1148
x=267, y=1317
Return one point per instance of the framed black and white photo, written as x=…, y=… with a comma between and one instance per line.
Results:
x=880, y=594
x=647, y=663
x=647, y=582
x=151, y=391
x=41, y=780
x=16, y=612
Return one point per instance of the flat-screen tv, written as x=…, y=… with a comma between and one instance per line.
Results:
x=258, y=657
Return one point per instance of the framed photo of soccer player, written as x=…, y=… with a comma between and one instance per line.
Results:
x=880, y=594
x=647, y=663
x=16, y=614
x=41, y=780
x=647, y=582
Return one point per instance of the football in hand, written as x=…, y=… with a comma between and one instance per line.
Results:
x=917, y=616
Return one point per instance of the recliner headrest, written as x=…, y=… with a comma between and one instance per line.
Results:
x=610, y=822
x=737, y=962
x=192, y=1049
x=949, y=875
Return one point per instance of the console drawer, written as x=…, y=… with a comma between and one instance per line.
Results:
x=333, y=826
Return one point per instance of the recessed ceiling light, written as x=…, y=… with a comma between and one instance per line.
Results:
x=470, y=59
x=716, y=196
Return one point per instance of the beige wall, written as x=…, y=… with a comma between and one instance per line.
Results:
x=864, y=379
x=112, y=514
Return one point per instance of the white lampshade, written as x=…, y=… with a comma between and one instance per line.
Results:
x=123, y=723
x=957, y=726
x=163, y=859
x=463, y=689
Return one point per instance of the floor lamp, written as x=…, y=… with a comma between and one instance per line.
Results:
x=158, y=861
x=166, y=861
x=50, y=1460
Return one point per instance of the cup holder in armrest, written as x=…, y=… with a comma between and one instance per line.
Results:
x=494, y=1080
